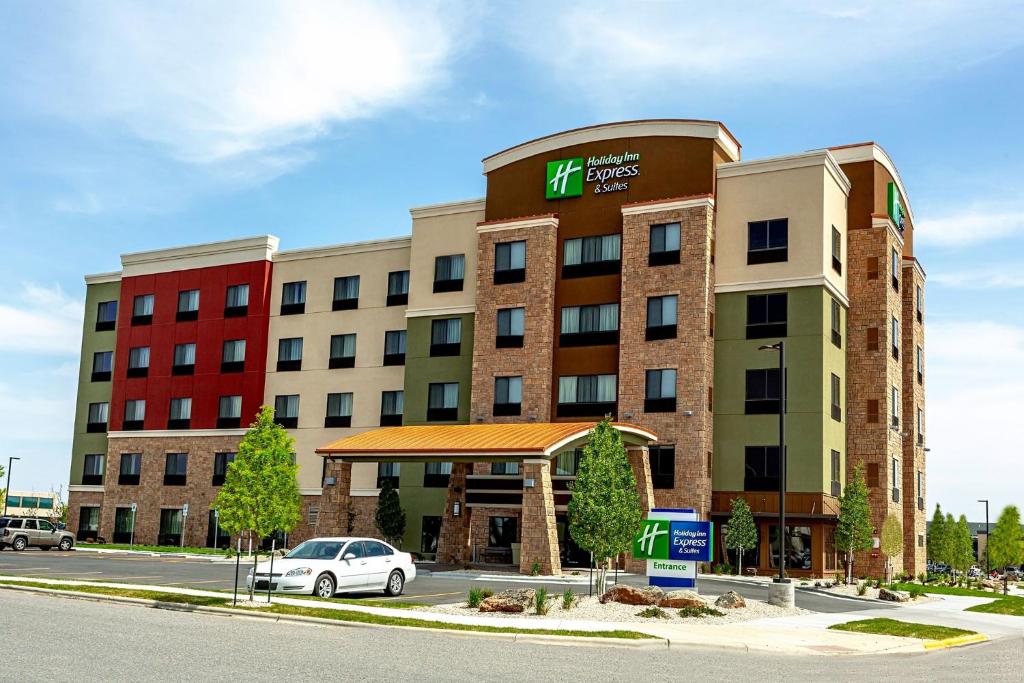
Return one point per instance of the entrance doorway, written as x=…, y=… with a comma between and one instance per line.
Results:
x=570, y=554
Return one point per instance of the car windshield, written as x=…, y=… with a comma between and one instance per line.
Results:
x=315, y=550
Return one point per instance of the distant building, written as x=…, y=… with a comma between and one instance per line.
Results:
x=31, y=503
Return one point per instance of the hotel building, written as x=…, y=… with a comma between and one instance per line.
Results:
x=631, y=269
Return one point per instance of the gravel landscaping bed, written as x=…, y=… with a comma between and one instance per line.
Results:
x=589, y=609
x=872, y=594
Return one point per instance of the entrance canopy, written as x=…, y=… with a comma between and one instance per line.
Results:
x=473, y=442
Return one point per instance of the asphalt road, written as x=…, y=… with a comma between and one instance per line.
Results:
x=49, y=638
x=194, y=573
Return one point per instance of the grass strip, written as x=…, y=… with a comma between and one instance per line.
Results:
x=948, y=590
x=159, y=549
x=1012, y=605
x=333, y=614
x=903, y=629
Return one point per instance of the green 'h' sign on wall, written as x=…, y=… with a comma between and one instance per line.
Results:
x=564, y=178
x=652, y=541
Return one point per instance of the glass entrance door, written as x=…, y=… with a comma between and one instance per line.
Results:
x=570, y=554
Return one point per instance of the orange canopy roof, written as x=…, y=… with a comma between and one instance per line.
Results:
x=526, y=438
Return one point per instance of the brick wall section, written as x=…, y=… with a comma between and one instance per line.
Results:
x=870, y=376
x=641, y=465
x=453, y=544
x=537, y=532
x=334, y=501
x=537, y=295
x=691, y=353
x=914, y=518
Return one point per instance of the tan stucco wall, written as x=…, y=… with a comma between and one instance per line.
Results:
x=439, y=235
x=369, y=322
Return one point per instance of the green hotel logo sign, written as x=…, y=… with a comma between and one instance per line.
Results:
x=564, y=178
x=652, y=541
x=895, y=206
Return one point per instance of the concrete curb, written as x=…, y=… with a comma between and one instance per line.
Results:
x=956, y=641
x=583, y=580
x=654, y=642
x=147, y=553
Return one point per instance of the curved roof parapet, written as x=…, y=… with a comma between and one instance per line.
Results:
x=691, y=128
x=872, y=151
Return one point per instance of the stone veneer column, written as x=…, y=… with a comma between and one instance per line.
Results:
x=641, y=465
x=915, y=515
x=539, y=535
x=334, y=501
x=690, y=353
x=453, y=543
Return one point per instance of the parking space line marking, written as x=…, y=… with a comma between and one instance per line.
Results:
x=28, y=569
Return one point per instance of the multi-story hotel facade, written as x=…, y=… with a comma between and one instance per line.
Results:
x=633, y=269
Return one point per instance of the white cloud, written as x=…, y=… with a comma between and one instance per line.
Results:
x=974, y=375
x=41, y=320
x=972, y=225
x=994, y=277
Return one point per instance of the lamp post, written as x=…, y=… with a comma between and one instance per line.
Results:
x=987, y=568
x=780, y=346
x=8, y=490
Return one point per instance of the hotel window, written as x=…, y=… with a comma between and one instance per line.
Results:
x=92, y=470
x=872, y=268
x=501, y=532
x=346, y=293
x=761, y=468
x=170, y=527
x=510, y=328
x=661, y=317
x=142, y=310
x=797, y=544
x=599, y=255
x=586, y=395
x=895, y=269
x=398, y=288
x=339, y=410
x=184, y=359
x=236, y=303
x=763, y=391
x=437, y=474
x=188, y=305
x=392, y=405
x=134, y=414
x=872, y=339
x=920, y=490
x=766, y=315
x=837, y=486
x=233, y=356
x=88, y=523
x=508, y=396
x=343, y=351
x=919, y=303
x=895, y=334
x=106, y=315
x=221, y=461
x=130, y=469
x=388, y=472
x=895, y=407
x=871, y=410
x=663, y=466
x=896, y=480
x=175, y=469
x=920, y=427
x=229, y=412
x=505, y=468
x=180, y=413
x=664, y=245
x=920, y=365
x=286, y=410
x=394, y=347
x=102, y=364
x=443, y=401
x=837, y=325
x=446, y=337
x=589, y=325
x=837, y=251
x=449, y=272
x=837, y=399
x=768, y=241
x=660, y=391
x=567, y=464
x=293, y=298
x=98, y=415
x=289, y=354
x=509, y=262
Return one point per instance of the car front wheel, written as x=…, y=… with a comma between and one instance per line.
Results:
x=324, y=586
x=65, y=544
x=396, y=582
x=19, y=543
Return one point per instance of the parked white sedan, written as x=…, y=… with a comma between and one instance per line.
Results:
x=325, y=566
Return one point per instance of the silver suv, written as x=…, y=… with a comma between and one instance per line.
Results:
x=22, y=532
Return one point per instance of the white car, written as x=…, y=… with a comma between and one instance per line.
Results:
x=325, y=566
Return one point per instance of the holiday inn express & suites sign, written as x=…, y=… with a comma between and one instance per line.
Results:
x=673, y=542
x=608, y=173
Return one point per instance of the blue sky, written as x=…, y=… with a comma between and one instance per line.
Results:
x=129, y=127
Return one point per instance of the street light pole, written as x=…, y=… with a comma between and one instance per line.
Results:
x=780, y=346
x=7, y=491
x=987, y=569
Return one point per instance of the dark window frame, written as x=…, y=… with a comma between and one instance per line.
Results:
x=768, y=253
x=769, y=327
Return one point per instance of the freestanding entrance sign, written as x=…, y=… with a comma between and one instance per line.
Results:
x=673, y=541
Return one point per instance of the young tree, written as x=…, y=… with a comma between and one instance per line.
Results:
x=261, y=492
x=741, y=534
x=854, y=528
x=604, y=511
x=1004, y=545
x=891, y=541
x=390, y=517
x=938, y=538
x=962, y=548
x=59, y=514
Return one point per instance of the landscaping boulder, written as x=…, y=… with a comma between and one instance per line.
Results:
x=629, y=595
x=893, y=596
x=680, y=599
x=512, y=600
x=991, y=585
x=730, y=600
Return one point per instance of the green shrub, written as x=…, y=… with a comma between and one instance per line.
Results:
x=700, y=612
x=718, y=569
x=535, y=569
x=862, y=588
x=922, y=577
x=568, y=599
x=541, y=600
x=878, y=583
x=478, y=595
x=916, y=592
x=653, y=613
